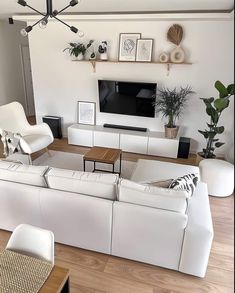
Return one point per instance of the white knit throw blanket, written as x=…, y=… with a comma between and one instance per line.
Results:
x=11, y=143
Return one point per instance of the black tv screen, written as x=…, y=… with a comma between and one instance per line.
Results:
x=128, y=98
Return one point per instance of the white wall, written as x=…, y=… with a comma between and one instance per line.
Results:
x=11, y=79
x=60, y=83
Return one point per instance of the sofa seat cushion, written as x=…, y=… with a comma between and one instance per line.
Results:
x=25, y=174
x=93, y=184
x=155, y=197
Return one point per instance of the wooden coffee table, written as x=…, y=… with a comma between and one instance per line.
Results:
x=103, y=155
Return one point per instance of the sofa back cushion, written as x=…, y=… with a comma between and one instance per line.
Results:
x=26, y=174
x=155, y=197
x=93, y=184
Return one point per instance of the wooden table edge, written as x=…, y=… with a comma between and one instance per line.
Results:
x=58, y=276
x=118, y=153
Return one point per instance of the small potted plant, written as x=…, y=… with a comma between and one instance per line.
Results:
x=102, y=49
x=214, y=109
x=78, y=50
x=171, y=103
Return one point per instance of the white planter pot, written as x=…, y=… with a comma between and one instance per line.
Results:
x=80, y=57
x=103, y=56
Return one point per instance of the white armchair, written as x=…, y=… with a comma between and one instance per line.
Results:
x=33, y=137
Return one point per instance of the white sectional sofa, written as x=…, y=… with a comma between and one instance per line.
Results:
x=122, y=218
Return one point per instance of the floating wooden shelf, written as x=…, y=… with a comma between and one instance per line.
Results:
x=168, y=64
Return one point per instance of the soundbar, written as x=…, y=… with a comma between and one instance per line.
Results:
x=125, y=127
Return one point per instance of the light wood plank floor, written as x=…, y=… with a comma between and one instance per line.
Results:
x=93, y=272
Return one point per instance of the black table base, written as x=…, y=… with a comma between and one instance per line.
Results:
x=101, y=170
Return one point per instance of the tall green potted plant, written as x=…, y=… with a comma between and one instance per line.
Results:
x=214, y=109
x=171, y=103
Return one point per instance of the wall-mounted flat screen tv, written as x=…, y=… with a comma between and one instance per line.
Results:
x=128, y=98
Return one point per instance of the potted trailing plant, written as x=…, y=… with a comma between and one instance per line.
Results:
x=214, y=109
x=171, y=103
x=78, y=50
x=102, y=49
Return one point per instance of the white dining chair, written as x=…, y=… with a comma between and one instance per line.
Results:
x=32, y=241
x=33, y=137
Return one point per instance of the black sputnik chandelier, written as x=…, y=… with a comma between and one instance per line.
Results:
x=50, y=13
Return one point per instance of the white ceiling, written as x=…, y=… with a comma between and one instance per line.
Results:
x=11, y=7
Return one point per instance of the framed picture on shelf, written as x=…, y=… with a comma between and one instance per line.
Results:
x=127, y=46
x=86, y=113
x=144, y=50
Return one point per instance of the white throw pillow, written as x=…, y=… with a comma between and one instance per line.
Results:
x=93, y=184
x=155, y=197
x=26, y=174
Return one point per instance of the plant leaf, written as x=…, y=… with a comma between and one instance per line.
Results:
x=204, y=133
x=230, y=89
x=219, y=130
x=221, y=104
x=210, y=125
x=175, y=34
x=219, y=144
x=208, y=101
x=212, y=113
x=221, y=89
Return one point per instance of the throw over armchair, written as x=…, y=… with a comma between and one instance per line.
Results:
x=33, y=137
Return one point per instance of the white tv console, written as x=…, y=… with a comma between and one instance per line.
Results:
x=148, y=143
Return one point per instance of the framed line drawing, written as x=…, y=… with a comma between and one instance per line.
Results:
x=127, y=46
x=86, y=113
x=144, y=50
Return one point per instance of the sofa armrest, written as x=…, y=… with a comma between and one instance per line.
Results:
x=198, y=234
x=41, y=129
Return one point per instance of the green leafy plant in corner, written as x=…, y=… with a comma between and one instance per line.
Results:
x=214, y=109
x=171, y=103
x=78, y=48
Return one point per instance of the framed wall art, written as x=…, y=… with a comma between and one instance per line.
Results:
x=127, y=46
x=86, y=113
x=144, y=50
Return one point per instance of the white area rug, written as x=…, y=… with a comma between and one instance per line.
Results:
x=73, y=161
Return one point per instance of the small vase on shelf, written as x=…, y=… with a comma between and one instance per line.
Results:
x=103, y=51
x=177, y=55
x=92, y=56
x=164, y=57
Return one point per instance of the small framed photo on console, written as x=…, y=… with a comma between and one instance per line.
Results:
x=144, y=50
x=86, y=113
x=127, y=46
